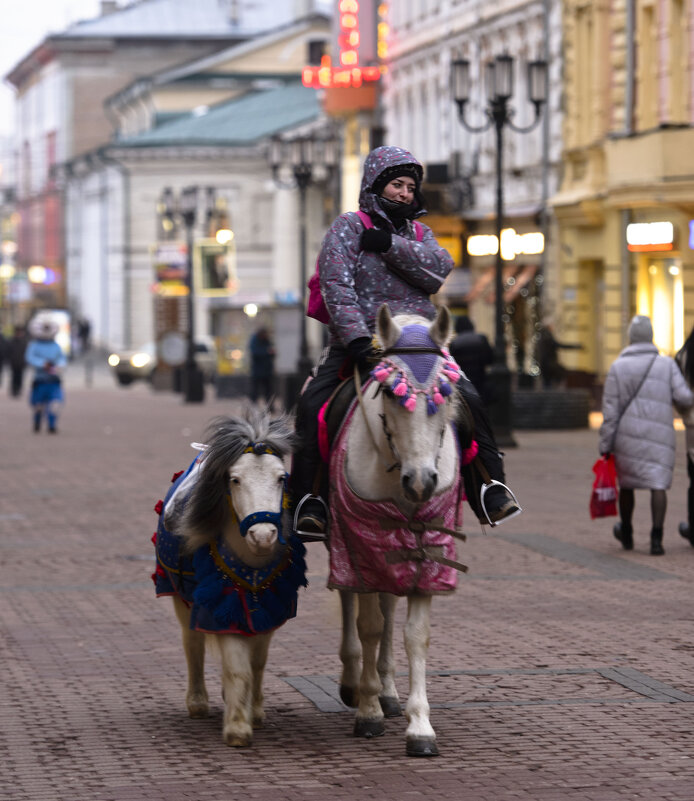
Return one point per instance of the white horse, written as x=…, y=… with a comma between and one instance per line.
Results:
x=233, y=567
x=395, y=506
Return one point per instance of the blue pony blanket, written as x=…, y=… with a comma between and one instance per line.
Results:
x=227, y=596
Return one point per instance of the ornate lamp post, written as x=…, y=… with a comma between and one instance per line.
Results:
x=186, y=207
x=299, y=158
x=499, y=86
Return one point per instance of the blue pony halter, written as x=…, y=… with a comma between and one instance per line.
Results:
x=260, y=448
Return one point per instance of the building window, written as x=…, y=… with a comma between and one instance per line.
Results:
x=679, y=56
x=647, y=69
x=50, y=157
x=316, y=51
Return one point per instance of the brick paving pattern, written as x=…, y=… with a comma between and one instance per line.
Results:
x=563, y=668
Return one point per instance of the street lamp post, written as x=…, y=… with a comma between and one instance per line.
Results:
x=186, y=207
x=499, y=85
x=300, y=157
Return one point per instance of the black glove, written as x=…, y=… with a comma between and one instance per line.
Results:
x=361, y=352
x=376, y=240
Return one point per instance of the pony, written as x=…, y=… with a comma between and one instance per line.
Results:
x=395, y=501
x=226, y=554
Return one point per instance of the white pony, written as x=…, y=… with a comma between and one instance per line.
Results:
x=232, y=566
x=395, y=505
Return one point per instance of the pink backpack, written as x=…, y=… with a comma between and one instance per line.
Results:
x=316, y=305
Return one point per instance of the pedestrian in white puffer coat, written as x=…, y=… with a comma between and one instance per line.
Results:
x=640, y=389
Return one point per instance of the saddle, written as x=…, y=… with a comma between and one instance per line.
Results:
x=332, y=413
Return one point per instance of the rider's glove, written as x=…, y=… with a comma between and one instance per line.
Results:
x=376, y=240
x=361, y=352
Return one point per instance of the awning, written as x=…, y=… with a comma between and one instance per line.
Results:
x=520, y=280
x=484, y=286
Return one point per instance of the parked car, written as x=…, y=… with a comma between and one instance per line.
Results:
x=139, y=364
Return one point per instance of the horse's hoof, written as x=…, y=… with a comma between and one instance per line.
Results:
x=369, y=728
x=258, y=722
x=390, y=706
x=422, y=747
x=349, y=696
x=198, y=711
x=238, y=740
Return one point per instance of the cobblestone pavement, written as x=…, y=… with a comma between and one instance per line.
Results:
x=563, y=668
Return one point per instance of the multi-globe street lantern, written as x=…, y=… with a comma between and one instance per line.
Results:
x=296, y=163
x=499, y=114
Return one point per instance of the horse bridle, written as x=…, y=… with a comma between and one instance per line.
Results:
x=275, y=518
x=387, y=433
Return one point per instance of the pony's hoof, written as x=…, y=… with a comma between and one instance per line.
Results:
x=349, y=696
x=422, y=747
x=238, y=740
x=390, y=706
x=369, y=728
x=259, y=722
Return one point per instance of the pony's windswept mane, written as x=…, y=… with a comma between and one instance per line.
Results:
x=226, y=438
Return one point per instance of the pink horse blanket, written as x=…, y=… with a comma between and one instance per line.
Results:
x=375, y=548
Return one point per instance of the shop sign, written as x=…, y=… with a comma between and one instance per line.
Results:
x=214, y=266
x=512, y=244
x=170, y=261
x=650, y=236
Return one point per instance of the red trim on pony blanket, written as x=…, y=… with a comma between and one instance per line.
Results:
x=159, y=506
x=323, y=443
x=469, y=453
x=235, y=630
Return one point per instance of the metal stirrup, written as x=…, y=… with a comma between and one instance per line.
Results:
x=483, y=491
x=310, y=497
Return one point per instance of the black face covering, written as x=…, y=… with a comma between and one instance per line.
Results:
x=398, y=212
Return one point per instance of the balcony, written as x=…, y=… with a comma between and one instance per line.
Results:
x=652, y=168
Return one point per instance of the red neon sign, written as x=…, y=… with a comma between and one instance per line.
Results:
x=348, y=72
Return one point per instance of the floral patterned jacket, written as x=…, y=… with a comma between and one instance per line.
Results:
x=354, y=283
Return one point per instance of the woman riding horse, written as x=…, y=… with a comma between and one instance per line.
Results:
x=361, y=268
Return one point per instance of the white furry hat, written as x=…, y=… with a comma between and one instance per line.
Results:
x=43, y=327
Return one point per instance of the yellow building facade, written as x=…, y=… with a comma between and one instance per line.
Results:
x=625, y=208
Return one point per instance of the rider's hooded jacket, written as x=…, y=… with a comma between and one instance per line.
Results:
x=354, y=282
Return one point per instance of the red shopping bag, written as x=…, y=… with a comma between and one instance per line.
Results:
x=603, y=498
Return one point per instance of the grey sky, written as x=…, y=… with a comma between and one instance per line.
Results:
x=24, y=25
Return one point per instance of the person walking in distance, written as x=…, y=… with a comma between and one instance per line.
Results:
x=3, y=353
x=473, y=353
x=16, y=353
x=262, y=365
x=46, y=356
x=685, y=361
x=640, y=389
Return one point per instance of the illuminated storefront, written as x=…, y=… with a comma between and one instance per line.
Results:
x=659, y=285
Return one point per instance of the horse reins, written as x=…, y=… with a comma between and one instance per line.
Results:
x=397, y=464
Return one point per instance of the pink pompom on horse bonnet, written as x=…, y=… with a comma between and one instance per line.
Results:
x=418, y=373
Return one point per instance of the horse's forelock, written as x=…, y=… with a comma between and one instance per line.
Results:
x=226, y=440
x=228, y=437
